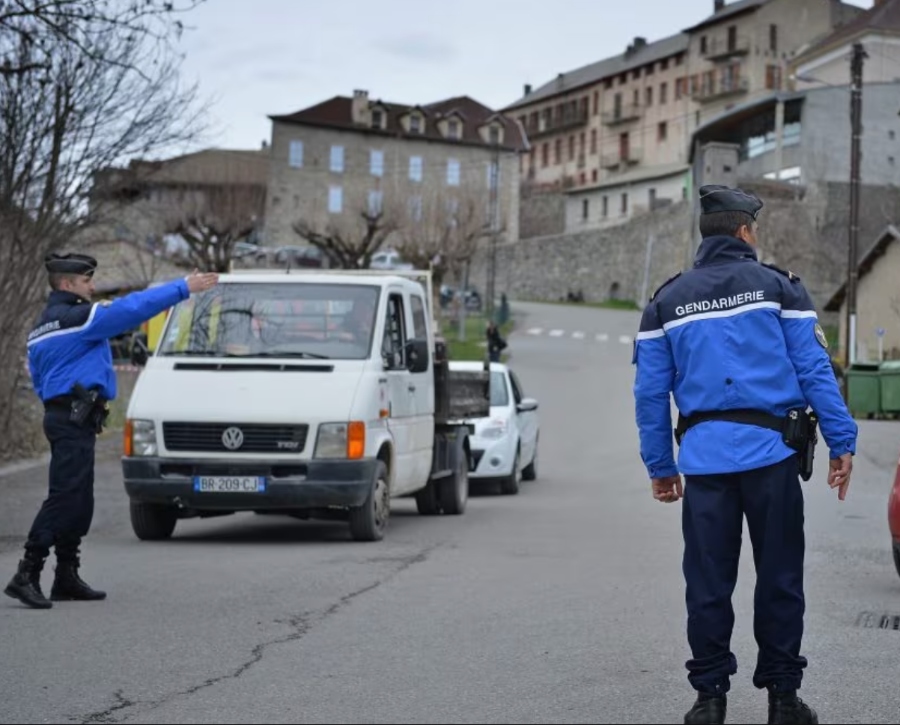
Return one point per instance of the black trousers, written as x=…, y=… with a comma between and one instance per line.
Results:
x=771, y=498
x=65, y=516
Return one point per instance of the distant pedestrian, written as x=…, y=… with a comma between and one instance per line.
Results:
x=495, y=343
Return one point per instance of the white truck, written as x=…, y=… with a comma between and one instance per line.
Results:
x=314, y=393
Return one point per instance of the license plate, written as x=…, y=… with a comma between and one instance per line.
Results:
x=229, y=484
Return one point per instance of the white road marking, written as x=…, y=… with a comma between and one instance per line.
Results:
x=603, y=338
x=578, y=335
x=557, y=333
x=535, y=331
x=626, y=339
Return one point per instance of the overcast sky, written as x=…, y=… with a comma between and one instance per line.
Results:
x=266, y=57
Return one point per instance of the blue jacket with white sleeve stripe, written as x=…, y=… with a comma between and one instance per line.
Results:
x=732, y=333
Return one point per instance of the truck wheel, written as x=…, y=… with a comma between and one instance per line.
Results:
x=427, y=500
x=368, y=522
x=509, y=486
x=530, y=472
x=897, y=556
x=454, y=490
x=152, y=522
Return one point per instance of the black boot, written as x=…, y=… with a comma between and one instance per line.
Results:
x=787, y=708
x=68, y=586
x=708, y=710
x=26, y=584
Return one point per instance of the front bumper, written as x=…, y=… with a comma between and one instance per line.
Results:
x=289, y=485
x=491, y=459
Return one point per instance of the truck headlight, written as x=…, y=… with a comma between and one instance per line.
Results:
x=341, y=440
x=140, y=438
x=496, y=429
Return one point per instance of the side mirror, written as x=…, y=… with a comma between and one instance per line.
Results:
x=417, y=355
x=527, y=405
x=139, y=352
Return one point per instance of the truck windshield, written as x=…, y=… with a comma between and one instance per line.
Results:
x=321, y=321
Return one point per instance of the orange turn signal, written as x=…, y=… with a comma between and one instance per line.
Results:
x=356, y=440
x=128, y=442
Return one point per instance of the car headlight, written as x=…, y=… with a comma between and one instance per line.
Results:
x=496, y=429
x=341, y=440
x=140, y=438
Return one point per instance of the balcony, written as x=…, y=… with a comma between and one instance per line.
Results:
x=721, y=49
x=559, y=124
x=626, y=114
x=621, y=159
x=719, y=90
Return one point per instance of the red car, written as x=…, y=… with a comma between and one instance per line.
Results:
x=894, y=517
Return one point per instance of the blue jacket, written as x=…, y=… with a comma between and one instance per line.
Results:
x=732, y=333
x=70, y=342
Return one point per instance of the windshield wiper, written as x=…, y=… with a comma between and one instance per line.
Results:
x=190, y=353
x=291, y=353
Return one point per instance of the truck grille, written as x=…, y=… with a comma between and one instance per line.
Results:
x=234, y=438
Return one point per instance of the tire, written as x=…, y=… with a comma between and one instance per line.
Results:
x=152, y=522
x=454, y=490
x=530, y=472
x=509, y=486
x=369, y=521
x=897, y=556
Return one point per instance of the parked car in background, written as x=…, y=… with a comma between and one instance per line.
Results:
x=472, y=299
x=894, y=517
x=505, y=444
x=389, y=259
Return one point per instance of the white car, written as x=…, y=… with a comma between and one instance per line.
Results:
x=505, y=445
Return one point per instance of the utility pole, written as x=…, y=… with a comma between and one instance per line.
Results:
x=856, y=72
x=494, y=209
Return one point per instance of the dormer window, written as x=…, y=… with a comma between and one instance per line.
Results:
x=377, y=119
x=494, y=135
x=453, y=128
x=415, y=124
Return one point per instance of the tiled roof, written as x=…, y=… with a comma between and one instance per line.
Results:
x=883, y=16
x=610, y=67
x=875, y=252
x=337, y=113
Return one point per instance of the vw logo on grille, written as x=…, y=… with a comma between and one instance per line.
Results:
x=233, y=438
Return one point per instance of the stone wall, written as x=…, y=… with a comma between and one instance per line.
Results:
x=804, y=230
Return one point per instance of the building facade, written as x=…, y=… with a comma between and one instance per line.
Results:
x=434, y=165
x=615, y=136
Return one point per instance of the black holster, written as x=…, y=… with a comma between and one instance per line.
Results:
x=797, y=429
x=87, y=408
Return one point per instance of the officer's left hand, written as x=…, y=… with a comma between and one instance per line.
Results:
x=667, y=490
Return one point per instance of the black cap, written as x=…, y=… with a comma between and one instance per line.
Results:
x=70, y=264
x=715, y=198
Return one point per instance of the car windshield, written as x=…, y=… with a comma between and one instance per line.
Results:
x=499, y=389
x=234, y=319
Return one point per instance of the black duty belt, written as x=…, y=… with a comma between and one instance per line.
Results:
x=746, y=416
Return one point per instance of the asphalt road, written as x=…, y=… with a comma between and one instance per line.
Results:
x=563, y=604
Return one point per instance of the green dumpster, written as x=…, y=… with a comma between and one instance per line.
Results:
x=890, y=386
x=864, y=389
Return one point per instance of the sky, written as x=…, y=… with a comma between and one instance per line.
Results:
x=255, y=58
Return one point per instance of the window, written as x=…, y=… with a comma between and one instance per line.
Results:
x=585, y=210
x=453, y=128
x=499, y=390
x=415, y=168
x=605, y=207
x=420, y=327
x=593, y=140
x=703, y=45
x=773, y=38
x=557, y=151
x=663, y=131
x=335, y=199
x=649, y=95
x=545, y=155
x=518, y=392
x=773, y=77
x=664, y=93
x=624, y=204
x=652, y=199
x=491, y=168
x=394, y=341
x=415, y=124
x=337, y=159
x=377, y=119
x=295, y=157
x=453, y=172
x=376, y=202
x=571, y=148
x=376, y=163
x=415, y=208
x=494, y=135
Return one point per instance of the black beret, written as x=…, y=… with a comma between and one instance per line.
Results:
x=715, y=198
x=70, y=264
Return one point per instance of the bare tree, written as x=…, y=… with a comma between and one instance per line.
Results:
x=441, y=230
x=215, y=217
x=351, y=239
x=75, y=96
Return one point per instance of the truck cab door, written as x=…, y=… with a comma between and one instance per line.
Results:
x=401, y=391
x=423, y=382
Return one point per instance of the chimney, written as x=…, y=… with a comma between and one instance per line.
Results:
x=265, y=145
x=360, y=108
x=640, y=43
x=527, y=89
x=718, y=5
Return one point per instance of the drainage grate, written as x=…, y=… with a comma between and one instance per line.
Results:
x=876, y=620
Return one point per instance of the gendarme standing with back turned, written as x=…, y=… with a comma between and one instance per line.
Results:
x=71, y=368
x=739, y=345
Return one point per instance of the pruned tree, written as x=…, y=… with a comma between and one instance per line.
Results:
x=350, y=240
x=213, y=218
x=85, y=84
x=441, y=230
